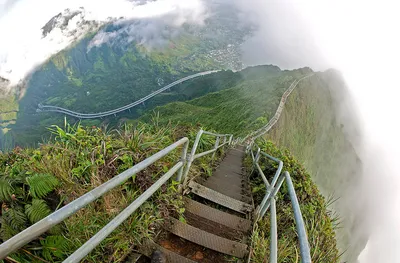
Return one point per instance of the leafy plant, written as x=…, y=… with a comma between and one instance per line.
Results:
x=37, y=210
x=41, y=184
x=6, y=189
x=6, y=231
x=15, y=217
x=54, y=246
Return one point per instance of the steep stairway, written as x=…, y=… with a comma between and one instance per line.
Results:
x=217, y=223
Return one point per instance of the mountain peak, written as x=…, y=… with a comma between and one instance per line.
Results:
x=70, y=23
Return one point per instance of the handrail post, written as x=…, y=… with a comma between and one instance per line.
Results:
x=271, y=194
x=273, y=256
x=257, y=156
x=230, y=139
x=215, y=148
x=298, y=217
x=191, y=156
x=184, y=161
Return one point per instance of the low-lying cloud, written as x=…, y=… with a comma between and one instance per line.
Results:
x=23, y=46
x=152, y=25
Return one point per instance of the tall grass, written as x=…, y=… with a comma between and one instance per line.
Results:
x=75, y=161
x=319, y=221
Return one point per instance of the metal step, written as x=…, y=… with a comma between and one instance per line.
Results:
x=149, y=247
x=229, y=190
x=228, y=177
x=206, y=239
x=217, y=216
x=219, y=198
x=225, y=170
x=238, y=184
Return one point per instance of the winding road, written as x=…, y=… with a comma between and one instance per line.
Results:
x=48, y=108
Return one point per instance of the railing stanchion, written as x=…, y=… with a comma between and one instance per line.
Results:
x=273, y=258
x=184, y=160
x=215, y=148
x=191, y=157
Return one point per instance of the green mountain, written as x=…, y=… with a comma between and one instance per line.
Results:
x=88, y=78
x=319, y=126
x=247, y=105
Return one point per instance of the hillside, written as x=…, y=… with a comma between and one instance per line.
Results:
x=319, y=126
x=245, y=106
x=35, y=182
x=8, y=117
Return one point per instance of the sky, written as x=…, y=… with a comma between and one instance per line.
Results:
x=360, y=38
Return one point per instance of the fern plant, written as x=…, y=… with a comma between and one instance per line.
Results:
x=15, y=218
x=41, y=184
x=37, y=210
x=6, y=231
x=6, y=190
x=54, y=246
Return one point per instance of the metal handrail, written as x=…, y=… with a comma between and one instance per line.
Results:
x=182, y=168
x=49, y=108
x=269, y=201
x=258, y=133
x=58, y=216
x=193, y=156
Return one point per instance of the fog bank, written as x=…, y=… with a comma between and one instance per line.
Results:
x=359, y=38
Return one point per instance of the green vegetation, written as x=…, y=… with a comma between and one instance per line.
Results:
x=35, y=182
x=249, y=103
x=319, y=221
x=8, y=104
x=8, y=116
x=312, y=129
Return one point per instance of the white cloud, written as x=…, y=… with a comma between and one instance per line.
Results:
x=23, y=47
x=360, y=38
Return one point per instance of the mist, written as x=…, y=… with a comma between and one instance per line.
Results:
x=360, y=39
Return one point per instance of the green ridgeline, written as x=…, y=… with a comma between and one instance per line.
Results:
x=319, y=127
x=247, y=105
x=8, y=117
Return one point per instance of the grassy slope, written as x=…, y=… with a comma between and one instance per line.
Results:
x=310, y=128
x=246, y=106
x=8, y=116
x=318, y=219
x=77, y=161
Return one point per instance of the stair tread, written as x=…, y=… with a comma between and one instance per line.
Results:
x=233, y=192
x=206, y=239
x=150, y=246
x=219, y=198
x=217, y=216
